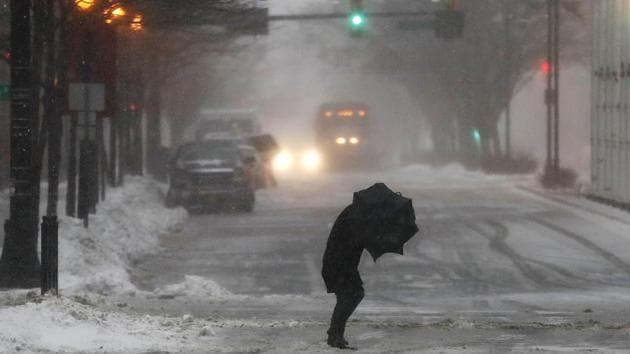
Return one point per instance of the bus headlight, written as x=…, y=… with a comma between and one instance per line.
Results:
x=340, y=140
x=311, y=160
x=354, y=140
x=283, y=161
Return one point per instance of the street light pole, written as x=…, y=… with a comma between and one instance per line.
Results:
x=508, y=78
x=556, y=83
x=19, y=264
x=549, y=90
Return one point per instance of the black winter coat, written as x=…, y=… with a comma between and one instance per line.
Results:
x=343, y=253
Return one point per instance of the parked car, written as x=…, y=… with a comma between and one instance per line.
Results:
x=213, y=172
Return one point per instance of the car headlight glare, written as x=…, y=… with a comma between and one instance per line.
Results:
x=354, y=140
x=311, y=160
x=340, y=140
x=282, y=161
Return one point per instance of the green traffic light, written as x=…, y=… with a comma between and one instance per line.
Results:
x=356, y=20
x=476, y=136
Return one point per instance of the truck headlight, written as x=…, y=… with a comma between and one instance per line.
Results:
x=311, y=160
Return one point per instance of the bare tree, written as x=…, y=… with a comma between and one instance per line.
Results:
x=177, y=36
x=464, y=84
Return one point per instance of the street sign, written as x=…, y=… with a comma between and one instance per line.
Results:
x=5, y=91
x=87, y=97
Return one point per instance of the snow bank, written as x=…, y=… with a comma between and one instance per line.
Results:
x=126, y=225
x=96, y=260
x=453, y=175
x=59, y=324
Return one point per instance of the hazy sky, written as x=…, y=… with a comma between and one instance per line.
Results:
x=286, y=74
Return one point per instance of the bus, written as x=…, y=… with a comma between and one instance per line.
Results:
x=342, y=133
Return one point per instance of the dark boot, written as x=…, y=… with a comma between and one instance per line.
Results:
x=337, y=342
x=336, y=337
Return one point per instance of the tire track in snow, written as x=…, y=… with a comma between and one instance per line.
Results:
x=610, y=257
x=498, y=244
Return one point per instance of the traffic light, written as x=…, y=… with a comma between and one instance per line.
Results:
x=6, y=56
x=356, y=18
x=476, y=135
x=545, y=67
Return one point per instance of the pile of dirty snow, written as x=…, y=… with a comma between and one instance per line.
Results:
x=127, y=225
x=93, y=262
x=62, y=324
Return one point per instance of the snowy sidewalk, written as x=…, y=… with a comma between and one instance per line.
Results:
x=94, y=268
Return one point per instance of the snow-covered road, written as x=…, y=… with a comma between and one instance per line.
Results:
x=491, y=250
x=487, y=248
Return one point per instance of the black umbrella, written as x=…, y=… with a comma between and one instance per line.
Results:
x=390, y=219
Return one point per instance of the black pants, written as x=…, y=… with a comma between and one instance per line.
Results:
x=347, y=302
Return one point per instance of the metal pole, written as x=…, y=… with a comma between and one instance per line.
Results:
x=556, y=84
x=113, y=151
x=102, y=164
x=71, y=194
x=50, y=224
x=548, y=92
x=508, y=59
x=19, y=264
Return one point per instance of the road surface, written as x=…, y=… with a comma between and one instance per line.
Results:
x=496, y=261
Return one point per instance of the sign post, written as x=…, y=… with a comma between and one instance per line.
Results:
x=86, y=99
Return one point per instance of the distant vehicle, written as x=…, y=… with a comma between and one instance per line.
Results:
x=213, y=172
x=240, y=124
x=342, y=133
x=221, y=122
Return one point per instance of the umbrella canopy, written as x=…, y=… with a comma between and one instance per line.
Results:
x=389, y=218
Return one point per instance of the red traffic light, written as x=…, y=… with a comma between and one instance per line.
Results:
x=545, y=67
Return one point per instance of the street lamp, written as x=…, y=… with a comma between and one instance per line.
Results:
x=136, y=23
x=85, y=5
x=114, y=13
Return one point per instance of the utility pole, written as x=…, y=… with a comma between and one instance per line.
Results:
x=19, y=264
x=552, y=164
x=556, y=83
x=507, y=19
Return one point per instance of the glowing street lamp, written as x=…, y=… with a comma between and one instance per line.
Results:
x=114, y=13
x=85, y=5
x=136, y=23
x=119, y=12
